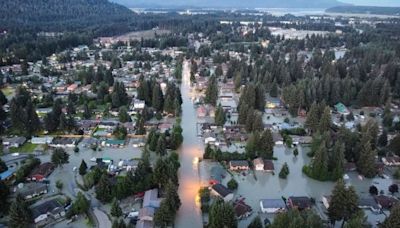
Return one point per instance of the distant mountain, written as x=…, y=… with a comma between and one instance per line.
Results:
x=56, y=15
x=232, y=3
x=394, y=11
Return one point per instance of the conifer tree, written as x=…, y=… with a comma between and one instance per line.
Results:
x=366, y=163
x=343, y=204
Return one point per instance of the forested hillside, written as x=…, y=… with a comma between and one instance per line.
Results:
x=61, y=15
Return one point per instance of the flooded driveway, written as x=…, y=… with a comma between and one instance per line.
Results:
x=189, y=214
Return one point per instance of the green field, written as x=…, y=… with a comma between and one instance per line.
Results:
x=26, y=148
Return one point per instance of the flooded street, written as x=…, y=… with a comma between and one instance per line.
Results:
x=189, y=214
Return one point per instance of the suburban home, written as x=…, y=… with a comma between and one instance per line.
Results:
x=263, y=165
x=368, y=203
x=201, y=111
x=342, y=109
x=31, y=190
x=269, y=166
x=128, y=164
x=391, y=161
x=146, y=213
x=239, y=165
x=300, y=202
x=258, y=164
x=41, y=172
x=151, y=199
x=7, y=175
x=242, y=210
x=385, y=202
x=217, y=174
x=144, y=224
x=113, y=143
x=49, y=209
x=14, y=141
x=42, y=140
x=278, y=139
x=138, y=104
x=222, y=191
x=210, y=140
x=272, y=205
x=63, y=142
x=272, y=102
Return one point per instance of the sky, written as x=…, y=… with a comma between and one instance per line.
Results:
x=373, y=2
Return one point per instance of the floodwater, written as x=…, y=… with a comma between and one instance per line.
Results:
x=189, y=214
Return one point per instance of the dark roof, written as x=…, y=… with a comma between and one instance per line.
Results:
x=44, y=169
x=239, y=163
x=301, y=202
x=268, y=165
x=221, y=190
x=241, y=208
x=368, y=202
x=32, y=188
x=386, y=201
x=46, y=207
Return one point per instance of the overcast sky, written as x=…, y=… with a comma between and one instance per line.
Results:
x=374, y=2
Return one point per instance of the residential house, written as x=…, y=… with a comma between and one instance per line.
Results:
x=151, y=198
x=14, y=141
x=272, y=205
x=42, y=140
x=258, y=164
x=201, y=111
x=128, y=165
x=242, y=210
x=146, y=213
x=113, y=143
x=299, y=202
x=41, y=172
x=342, y=109
x=278, y=139
x=391, y=161
x=385, y=202
x=7, y=175
x=49, y=209
x=144, y=224
x=63, y=142
x=222, y=191
x=239, y=165
x=369, y=203
x=31, y=190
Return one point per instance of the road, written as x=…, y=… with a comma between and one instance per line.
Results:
x=189, y=214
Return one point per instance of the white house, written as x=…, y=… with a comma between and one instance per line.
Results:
x=258, y=164
x=272, y=205
x=42, y=140
x=210, y=140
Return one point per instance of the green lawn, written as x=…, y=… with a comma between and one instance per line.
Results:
x=26, y=148
x=8, y=91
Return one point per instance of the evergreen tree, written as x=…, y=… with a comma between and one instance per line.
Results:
x=383, y=139
x=222, y=215
x=258, y=124
x=220, y=116
x=157, y=98
x=325, y=121
x=123, y=115
x=366, y=163
x=284, y=171
x=161, y=148
x=232, y=184
x=394, y=218
x=319, y=165
x=59, y=157
x=357, y=220
x=81, y=205
x=338, y=161
x=343, y=204
x=83, y=168
x=104, y=189
x=256, y=223
x=87, y=113
x=4, y=193
x=118, y=224
x=212, y=91
x=140, y=129
x=116, y=211
x=312, y=121
x=19, y=213
x=266, y=144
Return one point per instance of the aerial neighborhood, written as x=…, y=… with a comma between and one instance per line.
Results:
x=198, y=117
